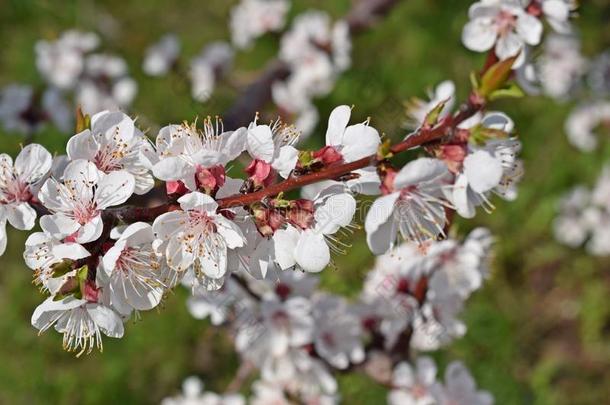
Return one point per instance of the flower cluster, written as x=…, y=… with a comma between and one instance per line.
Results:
x=251, y=19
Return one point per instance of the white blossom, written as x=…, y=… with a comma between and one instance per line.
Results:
x=17, y=182
x=197, y=236
x=76, y=203
x=460, y=388
x=415, y=207
x=353, y=142
x=61, y=62
x=503, y=25
x=81, y=322
x=184, y=151
x=310, y=248
x=418, y=109
x=272, y=144
x=412, y=385
x=114, y=143
x=583, y=122
x=213, y=61
x=193, y=394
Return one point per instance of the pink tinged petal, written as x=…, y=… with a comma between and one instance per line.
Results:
x=170, y=168
x=284, y=243
x=113, y=124
x=33, y=162
x=90, y=231
x=417, y=171
x=106, y=319
x=82, y=146
x=509, y=45
x=58, y=226
x=114, y=189
x=359, y=141
x=337, y=123
x=21, y=216
x=260, y=143
x=198, y=201
x=479, y=35
x=286, y=160
x=336, y=212
x=312, y=253
x=383, y=237
x=483, y=171
x=529, y=28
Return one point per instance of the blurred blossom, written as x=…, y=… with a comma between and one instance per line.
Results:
x=206, y=68
x=584, y=217
x=251, y=19
x=585, y=121
x=25, y=111
x=161, y=56
x=193, y=394
x=61, y=62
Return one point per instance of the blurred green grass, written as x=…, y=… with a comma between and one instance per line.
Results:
x=539, y=331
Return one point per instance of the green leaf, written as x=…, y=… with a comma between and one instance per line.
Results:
x=511, y=91
x=496, y=76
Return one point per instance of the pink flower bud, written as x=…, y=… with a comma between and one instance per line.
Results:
x=328, y=155
x=91, y=292
x=260, y=172
x=210, y=179
x=175, y=187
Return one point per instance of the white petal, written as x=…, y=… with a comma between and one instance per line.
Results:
x=260, y=143
x=3, y=238
x=198, y=201
x=382, y=238
x=80, y=176
x=337, y=122
x=230, y=232
x=178, y=258
x=169, y=223
x=58, y=226
x=82, y=146
x=359, y=141
x=460, y=200
x=72, y=251
x=483, y=171
x=284, y=244
x=231, y=187
x=33, y=162
x=233, y=143
x=529, y=28
x=286, y=160
x=43, y=314
x=138, y=233
x=419, y=170
x=106, y=319
x=170, y=169
x=114, y=189
x=112, y=125
x=214, y=264
x=379, y=213
x=312, y=253
x=479, y=35
x=336, y=212
x=508, y=45
x=498, y=120
x=21, y=216
x=112, y=255
x=91, y=231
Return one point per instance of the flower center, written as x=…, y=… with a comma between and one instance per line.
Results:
x=505, y=22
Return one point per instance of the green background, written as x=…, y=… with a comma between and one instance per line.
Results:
x=538, y=332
